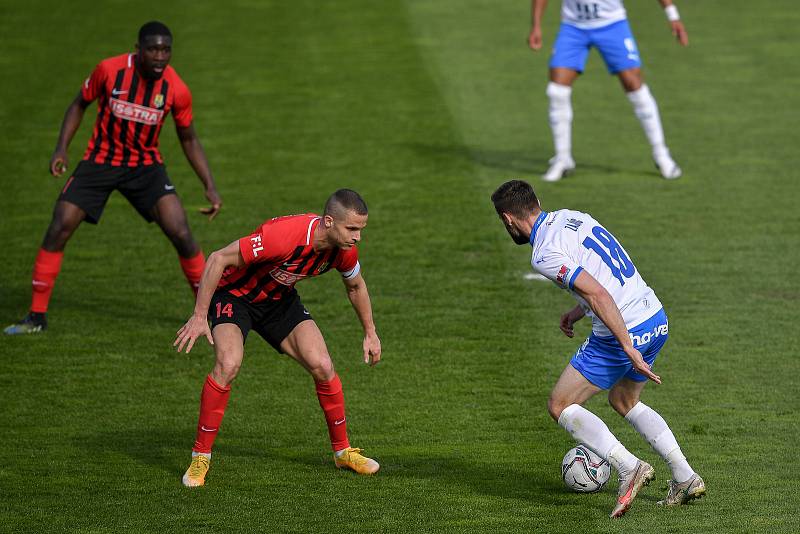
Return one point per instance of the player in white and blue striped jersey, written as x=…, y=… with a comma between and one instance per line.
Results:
x=601, y=24
x=629, y=328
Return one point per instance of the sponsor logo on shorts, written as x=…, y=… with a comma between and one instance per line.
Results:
x=561, y=277
x=135, y=112
x=630, y=44
x=647, y=337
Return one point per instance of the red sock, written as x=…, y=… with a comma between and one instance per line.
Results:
x=45, y=271
x=213, y=401
x=193, y=269
x=331, y=399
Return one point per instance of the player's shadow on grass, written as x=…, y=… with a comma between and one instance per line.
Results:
x=509, y=160
x=165, y=449
x=96, y=309
x=123, y=311
x=155, y=447
x=516, y=160
x=487, y=478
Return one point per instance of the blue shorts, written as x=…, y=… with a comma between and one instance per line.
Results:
x=602, y=361
x=615, y=43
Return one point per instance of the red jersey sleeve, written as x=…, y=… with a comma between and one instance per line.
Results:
x=95, y=84
x=347, y=263
x=261, y=246
x=182, y=105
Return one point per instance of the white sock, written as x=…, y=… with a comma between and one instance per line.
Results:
x=206, y=454
x=560, y=115
x=652, y=427
x=646, y=110
x=585, y=427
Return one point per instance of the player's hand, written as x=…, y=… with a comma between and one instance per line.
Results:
x=58, y=163
x=195, y=327
x=216, y=204
x=641, y=366
x=569, y=319
x=535, y=38
x=679, y=32
x=566, y=324
x=372, y=349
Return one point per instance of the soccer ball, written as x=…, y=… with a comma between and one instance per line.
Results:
x=583, y=471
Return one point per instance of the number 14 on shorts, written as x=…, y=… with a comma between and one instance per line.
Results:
x=226, y=310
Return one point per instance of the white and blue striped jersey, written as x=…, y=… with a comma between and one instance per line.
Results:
x=566, y=242
x=592, y=14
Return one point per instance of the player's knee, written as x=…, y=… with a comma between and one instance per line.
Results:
x=225, y=370
x=181, y=234
x=620, y=402
x=183, y=241
x=630, y=86
x=56, y=238
x=555, y=407
x=323, y=369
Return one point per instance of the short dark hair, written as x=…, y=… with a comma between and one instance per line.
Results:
x=515, y=197
x=345, y=200
x=153, y=28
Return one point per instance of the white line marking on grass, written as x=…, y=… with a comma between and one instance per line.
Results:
x=534, y=276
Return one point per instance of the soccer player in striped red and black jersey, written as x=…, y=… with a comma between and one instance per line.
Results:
x=250, y=285
x=135, y=92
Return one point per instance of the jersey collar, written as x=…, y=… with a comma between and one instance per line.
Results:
x=539, y=220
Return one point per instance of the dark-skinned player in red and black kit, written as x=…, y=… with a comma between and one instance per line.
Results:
x=250, y=285
x=135, y=93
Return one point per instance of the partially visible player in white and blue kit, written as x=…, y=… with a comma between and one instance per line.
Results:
x=601, y=24
x=629, y=327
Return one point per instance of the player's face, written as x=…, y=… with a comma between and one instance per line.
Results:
x=512, y=229
x=155, y=51
x=345, y=232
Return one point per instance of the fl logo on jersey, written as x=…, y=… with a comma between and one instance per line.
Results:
x=158, y=101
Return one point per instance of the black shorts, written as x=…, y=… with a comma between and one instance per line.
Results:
x=91, y=184
x=272, y=319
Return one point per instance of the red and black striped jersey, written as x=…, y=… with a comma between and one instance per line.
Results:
x=279, y=254
x=131, y=110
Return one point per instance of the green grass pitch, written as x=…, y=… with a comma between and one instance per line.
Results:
x=423, y=107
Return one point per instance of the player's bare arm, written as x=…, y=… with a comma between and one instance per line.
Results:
x=197, y=325
x=569, y=319
x=359, y=298
x=606, y=309
x=678, y=31
x=535, y=37
x=191, y=146
x=72, y=120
